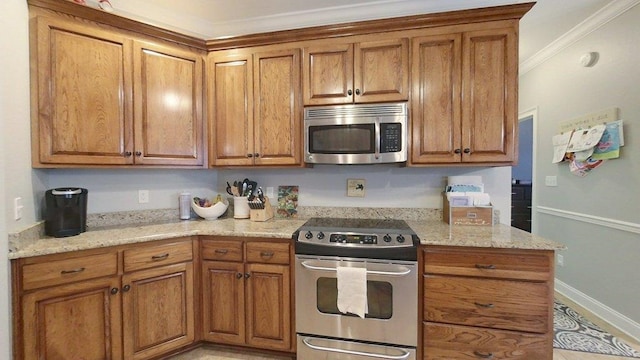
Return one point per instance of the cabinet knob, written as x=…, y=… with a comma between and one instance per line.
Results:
x=239, y=275
x=466, y=150
x=249, y=155
x=349, y=92
x=114, y=291
x=127, y=153
x=256, y=154
x=138, y=153
x=357, y=91
x=126, y=288
x=247, y=275
x=457, y=151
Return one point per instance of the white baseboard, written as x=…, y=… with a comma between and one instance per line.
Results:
x=616, y=319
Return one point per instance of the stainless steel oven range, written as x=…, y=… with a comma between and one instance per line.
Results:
x=386, y=253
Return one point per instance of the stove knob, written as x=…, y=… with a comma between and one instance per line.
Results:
x=320, y=235
x=387, y=238
x=400, y=239
x=308, y=235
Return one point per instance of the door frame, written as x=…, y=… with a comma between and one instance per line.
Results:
x=533, y=114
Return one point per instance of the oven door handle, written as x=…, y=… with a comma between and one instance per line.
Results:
x=404, y=356
x=372, y=272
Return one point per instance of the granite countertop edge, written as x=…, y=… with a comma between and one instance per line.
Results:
x=430, y=232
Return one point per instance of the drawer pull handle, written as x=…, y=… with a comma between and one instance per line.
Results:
x=72, y=271
x=159, y=257
x=266, y=254
x=221, y=251
x=483, y=355
x=488, y=305
x=487, y=267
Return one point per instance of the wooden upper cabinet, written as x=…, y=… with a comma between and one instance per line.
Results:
x=254, y=108
x=85, y=112
x=436, y=80
x=373, y=71
x=230, y=108
x=490, y=93
x=168, y=105
x=81, y=95
x=277, y=108
x=464, y=97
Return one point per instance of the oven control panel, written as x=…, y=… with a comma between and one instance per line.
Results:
x=355, y=239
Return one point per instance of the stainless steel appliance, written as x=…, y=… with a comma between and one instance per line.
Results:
x=356, y=134
x=66, y=211
x=388, y=250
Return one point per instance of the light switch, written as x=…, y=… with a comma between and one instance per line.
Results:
x=551, y=181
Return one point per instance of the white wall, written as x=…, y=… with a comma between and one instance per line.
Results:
x=601, y=262
x=15, y=179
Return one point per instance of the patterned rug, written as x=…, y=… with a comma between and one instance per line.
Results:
x=574, y=332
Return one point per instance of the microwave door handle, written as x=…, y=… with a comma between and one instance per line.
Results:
x=377, y=139
x=372, y=272
x=404, y=356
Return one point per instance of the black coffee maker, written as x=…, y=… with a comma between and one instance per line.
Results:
x=66, y=213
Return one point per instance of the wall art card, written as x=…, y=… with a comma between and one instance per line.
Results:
x=560, y=143
x=609, y=145
x=287, y=201
x=585, y=139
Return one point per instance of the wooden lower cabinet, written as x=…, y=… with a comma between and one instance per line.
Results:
x=158, y=310
x=486, y=303
x=446, y=342
x=85, y=305
x=247, y=293
x=73, y=321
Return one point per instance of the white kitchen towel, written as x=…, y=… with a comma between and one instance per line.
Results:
x=352, y=290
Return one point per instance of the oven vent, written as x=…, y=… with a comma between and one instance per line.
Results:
x=360, y=110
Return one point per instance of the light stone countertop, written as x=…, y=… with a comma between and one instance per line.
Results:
x=430, y=232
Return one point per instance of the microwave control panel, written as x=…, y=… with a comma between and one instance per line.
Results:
x=390, y=137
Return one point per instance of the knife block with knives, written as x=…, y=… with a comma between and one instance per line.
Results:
x=260, y=210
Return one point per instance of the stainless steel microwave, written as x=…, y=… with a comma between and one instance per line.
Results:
x=356, y=134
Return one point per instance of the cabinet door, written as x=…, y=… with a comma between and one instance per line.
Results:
x=277, y=109
x=76, y=321
x=268, y=306
x=82, y=95
x=230, y=108
x=381, y=71
x=168, y=111
x=436, y=79
x=489, y=113
x=328, y=74
x=158, y=314
x=223, y=302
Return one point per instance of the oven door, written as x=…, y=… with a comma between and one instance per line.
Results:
x=392, y=300
x=310, y=347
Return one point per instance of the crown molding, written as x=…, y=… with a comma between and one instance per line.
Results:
x=609, y=12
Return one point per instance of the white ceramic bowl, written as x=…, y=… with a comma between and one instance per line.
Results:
x=212, y=212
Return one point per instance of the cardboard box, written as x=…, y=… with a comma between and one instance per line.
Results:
x=466, y=215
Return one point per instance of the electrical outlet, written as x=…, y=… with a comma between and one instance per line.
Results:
x=143, y=196
x=355, y=187
x=560, y=260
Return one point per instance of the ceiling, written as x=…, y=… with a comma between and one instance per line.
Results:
x=210, y=19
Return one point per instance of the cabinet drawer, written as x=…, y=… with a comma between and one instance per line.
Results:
x=69, y=270
x=266, y=252
x=157, y=255
x=445, y=342
x=222, y=250
x=492, y=263
x=502, y=304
